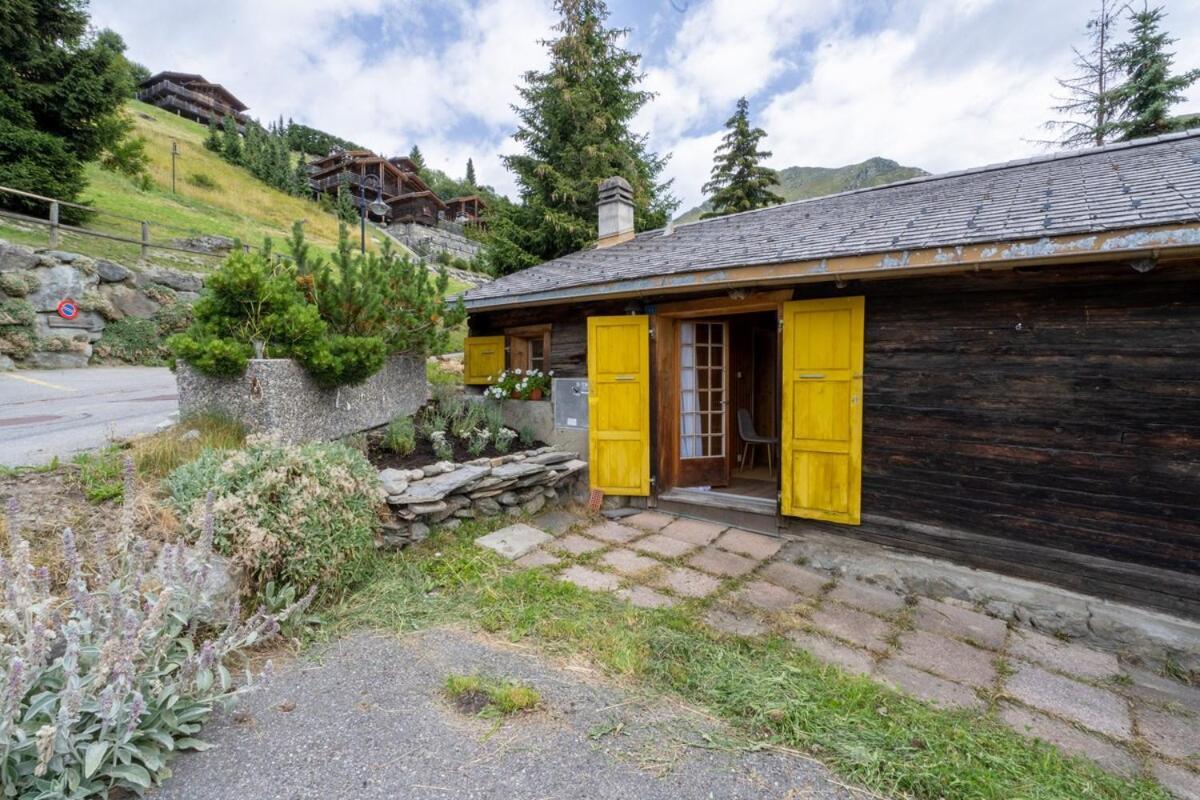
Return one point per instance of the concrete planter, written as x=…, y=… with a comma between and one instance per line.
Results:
x=276, y=396
x=538, y=416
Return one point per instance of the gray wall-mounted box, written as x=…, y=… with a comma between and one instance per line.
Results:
x=570, y=398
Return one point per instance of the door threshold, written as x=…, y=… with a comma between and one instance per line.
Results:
x=714, y=499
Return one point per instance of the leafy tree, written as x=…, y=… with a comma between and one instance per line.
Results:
x=739, y=182
x=231, y=142
x=213, y=140
x=1091, y=107
x=60, y=86
x=470, y=172
x=1150, y=90
x=415, y=156
x=575, y=132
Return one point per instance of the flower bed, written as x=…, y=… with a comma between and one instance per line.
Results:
x=445, y=493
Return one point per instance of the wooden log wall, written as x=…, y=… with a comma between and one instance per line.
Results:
x=1044, y=422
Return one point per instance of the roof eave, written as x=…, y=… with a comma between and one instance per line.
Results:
x=1114, y=244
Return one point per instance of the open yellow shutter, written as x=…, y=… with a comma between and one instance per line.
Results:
x=483, y=358
x=619, y=404
x=821, y=441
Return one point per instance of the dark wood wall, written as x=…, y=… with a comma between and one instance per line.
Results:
x=1044, y=423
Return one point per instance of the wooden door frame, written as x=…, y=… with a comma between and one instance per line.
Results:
x=664, y=319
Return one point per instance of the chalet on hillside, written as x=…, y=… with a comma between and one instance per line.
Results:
x=397, y=181
x=466, y=209
x=999, y=366
x=192, y=96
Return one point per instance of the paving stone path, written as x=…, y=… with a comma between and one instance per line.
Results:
x=1084, y=701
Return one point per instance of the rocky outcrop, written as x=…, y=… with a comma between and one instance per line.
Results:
x=33, y=282
x=443, y=493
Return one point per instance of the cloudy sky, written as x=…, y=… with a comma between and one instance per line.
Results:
x=938, y=84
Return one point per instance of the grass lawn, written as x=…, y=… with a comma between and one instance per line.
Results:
x=873, y=736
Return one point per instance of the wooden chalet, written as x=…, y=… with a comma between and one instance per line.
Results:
x=999, y=366
x=466, y=209
x=192, y=96
x=399, y=185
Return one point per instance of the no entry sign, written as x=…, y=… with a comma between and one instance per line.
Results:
x=67, y=309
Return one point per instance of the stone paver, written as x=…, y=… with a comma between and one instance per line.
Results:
x=1069, y=739
x=650, y=520
x=930, y=688
x=949, y=658
x=614, y=533
x=556, y=521
x=754, y=545
x=798, y=579
x=719, y=562
x=947, y=619
x=767, y=596
x=576, y=545
x=1094, y=708
x=693, y=530
x=644, y=597
x=590, y=579
x=866, y=597
x=1175, y=735
x=1154, y=688
x=627, y=562
x=826, y=650
x=1073, y=659
x=514, y=541
x=688, y=582
x=1182, y=783
x=538, y=558
x=853, y=625
x=664, y=546
x=734, y=623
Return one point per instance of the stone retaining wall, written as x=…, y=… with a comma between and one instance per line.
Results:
x=429, y=241
x=445, y=493
x=277, y=396
x=34, y=281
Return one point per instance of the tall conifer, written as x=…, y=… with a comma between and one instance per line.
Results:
x=1150, y=90
x=739, y=182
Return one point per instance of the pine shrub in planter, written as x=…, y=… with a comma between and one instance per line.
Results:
x=300, y=516
x=104, y=681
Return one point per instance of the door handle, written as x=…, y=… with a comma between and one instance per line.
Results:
x=625, y=378
x=811, y=376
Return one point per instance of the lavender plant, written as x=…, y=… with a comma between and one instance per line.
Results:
x=104, y=680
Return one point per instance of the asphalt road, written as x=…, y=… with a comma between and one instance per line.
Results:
x=61, y=412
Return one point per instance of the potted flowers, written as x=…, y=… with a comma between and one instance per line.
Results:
x=520, y=384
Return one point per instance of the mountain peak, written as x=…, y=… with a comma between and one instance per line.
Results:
x=801, y=183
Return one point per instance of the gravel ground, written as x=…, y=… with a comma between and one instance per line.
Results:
x=366, y=719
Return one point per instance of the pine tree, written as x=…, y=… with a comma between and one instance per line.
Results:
x=213, y=140
x=739, y=182
x=415, y=156
x=1150, y=90
x=470, y=173
x=231, y=142
x=1091, y=106
x=300, y=186
x=345, y=207
x=575, y=130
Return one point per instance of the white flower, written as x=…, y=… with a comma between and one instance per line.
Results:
x=517, y=371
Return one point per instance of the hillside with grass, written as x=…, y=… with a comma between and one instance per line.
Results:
x=802, y=183
x=212, y=198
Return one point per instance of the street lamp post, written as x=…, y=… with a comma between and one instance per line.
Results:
x=377, y=207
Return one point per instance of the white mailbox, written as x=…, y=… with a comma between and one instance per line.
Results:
x=570, y=397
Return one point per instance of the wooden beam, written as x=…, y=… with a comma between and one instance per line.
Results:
x=708, y=306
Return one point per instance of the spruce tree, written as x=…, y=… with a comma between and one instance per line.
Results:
x=300, y=186
x=470, y=173
x=231, y=142
x=574, y=129
x=213, y=140
x=1090, y=108
x=415, y=156
x=61, y=85
x=739, y=182
x=1150, y=90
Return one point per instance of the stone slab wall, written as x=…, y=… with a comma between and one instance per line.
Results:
x=430, y=241
x=277, y=396
x=34, y=281
x=446, y=493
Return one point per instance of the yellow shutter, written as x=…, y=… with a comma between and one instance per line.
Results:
x=619, y=404
x=821, y=440
x=483, y=358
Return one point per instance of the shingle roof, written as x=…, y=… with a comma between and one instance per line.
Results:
x=1136, y=184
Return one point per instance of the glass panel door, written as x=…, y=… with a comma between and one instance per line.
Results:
x=702, y=390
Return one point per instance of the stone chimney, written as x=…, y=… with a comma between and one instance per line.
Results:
x=616, y=212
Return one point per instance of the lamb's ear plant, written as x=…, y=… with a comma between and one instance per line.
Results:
x=108, y=676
